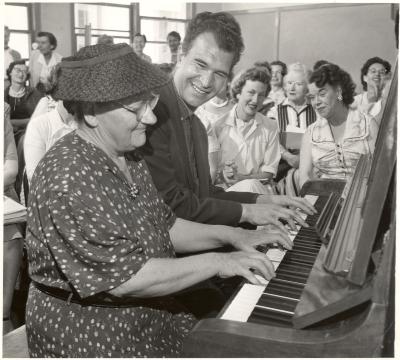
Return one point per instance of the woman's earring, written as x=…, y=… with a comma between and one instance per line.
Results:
x=340, y=97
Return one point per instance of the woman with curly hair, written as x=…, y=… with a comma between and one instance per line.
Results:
x=374, y=76
x=332, y=145
x=249, y=141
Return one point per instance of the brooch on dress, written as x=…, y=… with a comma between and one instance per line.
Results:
x=133, y=191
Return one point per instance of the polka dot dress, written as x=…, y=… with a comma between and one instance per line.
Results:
x=91, y=230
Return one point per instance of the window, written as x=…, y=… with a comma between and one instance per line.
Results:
x=156, y=21
x=17, y=19
x=96, y=20
x=122, y=21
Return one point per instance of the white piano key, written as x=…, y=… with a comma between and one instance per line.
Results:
x=244, y=303
x=276, y=254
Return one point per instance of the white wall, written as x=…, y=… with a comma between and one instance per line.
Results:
x=57, y=19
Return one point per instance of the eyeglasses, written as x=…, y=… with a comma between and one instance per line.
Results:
x=141, y=111
x=20, y=71
x=376, y=71
x=276, y=72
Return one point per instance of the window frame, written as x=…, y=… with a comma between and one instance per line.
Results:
x=30, y=32
x=134, y=20
x=108, y=31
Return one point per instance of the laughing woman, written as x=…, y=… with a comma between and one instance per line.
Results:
x=332, y=145
x=249, y=140
x=101, y=242
x=374, y=77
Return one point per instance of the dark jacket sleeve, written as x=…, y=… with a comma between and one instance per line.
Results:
x=167, y=167
x=238, y=196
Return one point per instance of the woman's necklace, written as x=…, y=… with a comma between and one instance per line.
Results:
x=18, y=93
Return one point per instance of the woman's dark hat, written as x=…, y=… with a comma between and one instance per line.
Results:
x=102, y=73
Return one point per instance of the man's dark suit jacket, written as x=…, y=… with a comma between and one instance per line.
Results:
x=168, y=160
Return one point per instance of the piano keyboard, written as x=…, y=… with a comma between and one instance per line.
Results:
x=277, y=299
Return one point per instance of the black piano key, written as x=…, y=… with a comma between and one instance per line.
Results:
x=308, y=244
x=300, y=257
x=294, y=268
x=280, y=304
x=300, y=251
x=292, y=261
x=261, y=316
x=303, y=247
x=279, y=283
x=291, y=277
x=284, y=292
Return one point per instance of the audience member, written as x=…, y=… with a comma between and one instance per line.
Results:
x=174, y=44
x=249, y=140
x=176, y=150
x=374, y=77
x=21, y=98
x=101, y=242
x=333, y=144
x=209, y=113
x=139, y=42
x=43, y=60
x=105, y=39
x=294, y=114
x=50, y=122
x=265, y=65
x=12, y=238
x=277, y=93
x=10, y=55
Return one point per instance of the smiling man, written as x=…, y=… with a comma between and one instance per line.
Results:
x=177, y=150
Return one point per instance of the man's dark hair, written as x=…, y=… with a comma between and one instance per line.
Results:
x=50, y=36
x=368, y=63
x=174, y=34
x=224, y=28
x=282, y=65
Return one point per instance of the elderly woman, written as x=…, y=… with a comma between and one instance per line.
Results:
x=139, y=42
x=332, y=145
x=249, y=140
x=101, y=243
x=293, y=115
x=374, y=76
x=43, y=60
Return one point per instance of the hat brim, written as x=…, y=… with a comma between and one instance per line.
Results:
x=125, y=76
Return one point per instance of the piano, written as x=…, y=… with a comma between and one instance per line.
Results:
x=332, y=296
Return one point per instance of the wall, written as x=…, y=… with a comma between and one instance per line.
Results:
x=341, y=33
x=57, y=19
x=347, y=36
